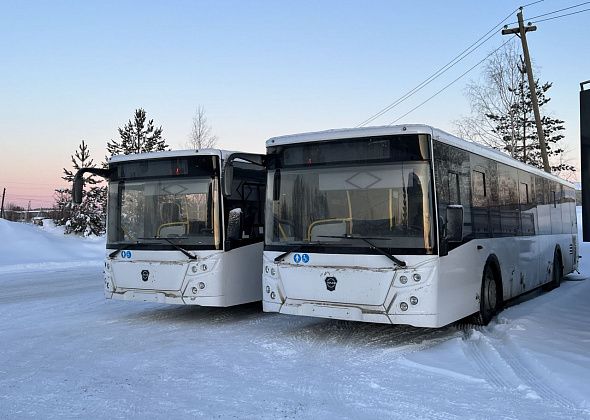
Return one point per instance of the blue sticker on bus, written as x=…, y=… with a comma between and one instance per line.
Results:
x=305, y=258
x=125, y=254
x=297, y=258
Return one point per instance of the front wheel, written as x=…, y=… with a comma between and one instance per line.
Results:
x=490, y=301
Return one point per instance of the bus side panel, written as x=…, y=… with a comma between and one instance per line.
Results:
x=459, y=283
x=526, y=275
x=462, y=271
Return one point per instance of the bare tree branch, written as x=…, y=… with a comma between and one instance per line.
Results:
x=201, y=136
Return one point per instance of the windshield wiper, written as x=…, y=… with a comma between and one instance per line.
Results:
x=371, y=244
x=181, y=249
x=295, y=249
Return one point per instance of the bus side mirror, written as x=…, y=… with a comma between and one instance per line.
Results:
x=228, y=179
x=79, y=181
x=77, y=189
x=454, y=223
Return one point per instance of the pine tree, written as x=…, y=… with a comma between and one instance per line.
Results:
x=88, y=218
x=62, y=206
x=138, y=137
x=517, y=127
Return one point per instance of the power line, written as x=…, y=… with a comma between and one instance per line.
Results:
x=530, y=4
x=464, y=54
x=457, y=59
x=451, y=83
x=559, y=10
x=564, y=15
x=555, y=11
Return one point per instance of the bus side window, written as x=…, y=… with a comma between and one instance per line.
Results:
x=508, y=200
x=479, y=185
x=479, y=204
x=454, y=188
x=528, y=209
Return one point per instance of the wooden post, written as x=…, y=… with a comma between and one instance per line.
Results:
x=521, y=32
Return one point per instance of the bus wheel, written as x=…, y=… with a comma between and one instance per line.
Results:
x=489, y=302
x=556, y=273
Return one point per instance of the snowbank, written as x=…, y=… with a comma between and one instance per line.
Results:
x=26, y=247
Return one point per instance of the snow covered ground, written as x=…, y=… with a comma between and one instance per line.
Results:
x=66, y=351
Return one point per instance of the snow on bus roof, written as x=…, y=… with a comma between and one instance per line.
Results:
x=437, y=134
x=170, y=154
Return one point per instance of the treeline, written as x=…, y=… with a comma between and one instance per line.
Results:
x=138, y=135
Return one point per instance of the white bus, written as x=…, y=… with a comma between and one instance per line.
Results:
x=408, y=225
x=184, y=227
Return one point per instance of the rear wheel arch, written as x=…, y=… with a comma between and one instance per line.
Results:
x=558, y=253
x=493, y=262
x=557, y=258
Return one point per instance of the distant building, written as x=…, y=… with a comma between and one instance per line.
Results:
x=36, y=216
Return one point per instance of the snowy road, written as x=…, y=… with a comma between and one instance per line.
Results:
x=66, y=351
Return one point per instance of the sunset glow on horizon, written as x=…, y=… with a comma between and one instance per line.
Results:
x=76, y=71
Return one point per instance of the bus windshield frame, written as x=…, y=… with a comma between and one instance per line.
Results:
x=166, y=203
x=321, y=196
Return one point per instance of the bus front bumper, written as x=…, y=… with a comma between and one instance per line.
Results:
x=351, y=313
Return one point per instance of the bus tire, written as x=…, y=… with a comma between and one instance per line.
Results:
x=556, y=272
x=490, y=301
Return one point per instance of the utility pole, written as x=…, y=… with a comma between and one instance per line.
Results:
x=521, y=33
x=2, y=207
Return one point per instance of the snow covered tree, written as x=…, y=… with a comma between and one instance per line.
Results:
x=138, y=137
x=62, y=206
x=90, y=216
x=201, y=136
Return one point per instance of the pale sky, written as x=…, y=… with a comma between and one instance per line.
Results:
x=75, y=70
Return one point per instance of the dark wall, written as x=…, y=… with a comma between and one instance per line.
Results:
x=585, y=160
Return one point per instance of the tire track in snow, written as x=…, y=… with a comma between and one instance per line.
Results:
x=506, y=367
x=488, y=362
x=515, y=359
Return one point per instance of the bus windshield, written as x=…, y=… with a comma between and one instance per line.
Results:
x=182, y=209
x=378, y=189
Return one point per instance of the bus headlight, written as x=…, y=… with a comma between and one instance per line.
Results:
x=403, y=279
x=267, y=289
x=417, y=277
x=266, y=269
x=201, y=285
x=413, y=300
x=273, y=295
x=403, y=306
